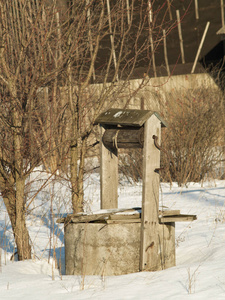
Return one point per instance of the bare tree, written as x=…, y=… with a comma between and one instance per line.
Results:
x=58, y=69
x=107, y=40
x=28, y=46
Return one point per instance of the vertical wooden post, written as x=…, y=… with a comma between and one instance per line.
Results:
x=149, y=256
x=150, y=14
x=109, y=176
x=153, y=53
x=165, y=52
x=180, y=37
x=200, y=47
x=196, y=10
x=222, y=12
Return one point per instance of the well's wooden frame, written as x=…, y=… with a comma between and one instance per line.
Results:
x=152, y=124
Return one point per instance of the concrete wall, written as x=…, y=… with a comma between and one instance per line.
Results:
x=112, y=249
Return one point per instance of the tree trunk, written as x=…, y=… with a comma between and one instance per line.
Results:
x=74, y=178
x=81, y=175
x=14, y=202
x=21, y=233
x=77, y=174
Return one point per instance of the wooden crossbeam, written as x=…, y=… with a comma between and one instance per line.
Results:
x=167, y=216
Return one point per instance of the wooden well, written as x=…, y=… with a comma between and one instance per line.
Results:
x=130, y=240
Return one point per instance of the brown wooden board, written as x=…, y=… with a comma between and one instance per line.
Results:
x=117, y=215
x=123, y=221
x=169, y=212
x=110, y=218
x=124, y=216
x=178, y=218
x=83, y=218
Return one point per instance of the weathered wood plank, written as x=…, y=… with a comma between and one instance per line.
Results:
x=124, y=216
x=126, y=117
x=88, y=218
x=118, y=215
x=108, y=176
x=138, y=215
x=180, y=36
x=200, y=47
x=100, y=216
x=150, y=197
x=169, y=212
x=178, y=218
x=123, y=221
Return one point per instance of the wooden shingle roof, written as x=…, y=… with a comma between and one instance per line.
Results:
x=127, y=117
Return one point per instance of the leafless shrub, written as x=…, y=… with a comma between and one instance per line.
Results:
x=195, y=131
x=193, y=144
x=130, y=165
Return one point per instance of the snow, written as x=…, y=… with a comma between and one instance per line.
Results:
x=118, y=114
x=200, y=249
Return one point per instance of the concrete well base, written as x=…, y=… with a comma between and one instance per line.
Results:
x=112, y=249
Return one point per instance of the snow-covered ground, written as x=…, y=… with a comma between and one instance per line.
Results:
x=200, y=249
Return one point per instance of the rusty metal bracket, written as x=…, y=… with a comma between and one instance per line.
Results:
x=158, y=169
x=155, y=138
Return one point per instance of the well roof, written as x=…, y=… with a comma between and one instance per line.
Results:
x=127, y=117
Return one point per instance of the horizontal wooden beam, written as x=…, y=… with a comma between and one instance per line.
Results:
x=125, y=216
x=178, y=218
x=123, y=221
x=112, y=217
x=163, y=213
x=82, y=218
